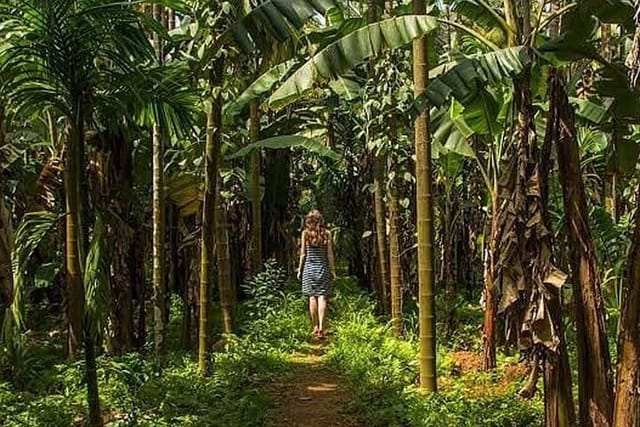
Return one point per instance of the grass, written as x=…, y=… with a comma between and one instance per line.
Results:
x=380, y=371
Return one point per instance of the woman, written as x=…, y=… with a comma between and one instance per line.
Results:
x=316, y=268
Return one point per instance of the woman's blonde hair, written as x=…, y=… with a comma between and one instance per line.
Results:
x=314, y=228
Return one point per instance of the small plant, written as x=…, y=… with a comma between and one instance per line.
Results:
x=266, y=290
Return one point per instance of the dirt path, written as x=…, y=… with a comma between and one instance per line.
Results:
x=312, y=396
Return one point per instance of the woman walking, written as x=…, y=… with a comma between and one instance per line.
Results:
x=316, y=268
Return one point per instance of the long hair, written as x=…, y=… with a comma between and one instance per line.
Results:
x=314, y=228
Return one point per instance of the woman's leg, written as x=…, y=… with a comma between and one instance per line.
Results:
x=313, y=311
x=322, y=309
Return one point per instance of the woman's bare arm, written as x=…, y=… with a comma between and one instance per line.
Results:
x=302, y=255
x=330, y=254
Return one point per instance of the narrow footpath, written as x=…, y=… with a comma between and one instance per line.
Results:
x=312, y=395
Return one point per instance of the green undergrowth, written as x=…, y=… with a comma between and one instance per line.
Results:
x=383, y=372
x=139, y=390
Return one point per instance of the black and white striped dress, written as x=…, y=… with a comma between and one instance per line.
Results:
x=316, y=275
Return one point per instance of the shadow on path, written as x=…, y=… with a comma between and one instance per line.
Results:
x=312, y=395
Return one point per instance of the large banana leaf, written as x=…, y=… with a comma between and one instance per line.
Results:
x=481, y=13
x=464, y=79
x=288, y=141
x=351, y=50
x=275, y=20
x=258, y=88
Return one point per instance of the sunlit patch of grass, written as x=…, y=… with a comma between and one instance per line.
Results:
x=383, y=373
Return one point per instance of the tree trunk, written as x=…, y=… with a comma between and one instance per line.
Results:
x=256, y=199
x=381, y=231
x=448, y=270
x=558, y=394
x=212, y=154
x=138, y=256
x=594, y=364
x=6, y=238
x=490, y=288
x=627, y=403
x=225, y=287
x=74, y=290
x=426, y=294
x=159, y=226
x=395, y=268
x=93, y=395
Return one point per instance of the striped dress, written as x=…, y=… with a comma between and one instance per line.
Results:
x=316, y=275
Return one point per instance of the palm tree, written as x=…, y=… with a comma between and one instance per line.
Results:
x=70, y=56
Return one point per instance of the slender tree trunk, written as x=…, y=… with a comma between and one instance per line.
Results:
x=256, y=199
x=395, y=267
x=594, y=364
x=159, y=226
x=627, y=403
x=426, y=293
x=93, y=395
x=448, y=258
x=74, y=290
x=491, y=303
x=6, y=238
x=138, y=256
x=381, y=231
x=212, y=154
x=225, y=286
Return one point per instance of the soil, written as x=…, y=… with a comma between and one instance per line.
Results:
x=312, y=395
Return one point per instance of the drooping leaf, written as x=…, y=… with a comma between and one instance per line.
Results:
x=589, y=110
x=464, y=79
x=350, y=51
x=261, y=86
x=480, y=13
x=285, y=142
x=96, y=282
x=275, y=21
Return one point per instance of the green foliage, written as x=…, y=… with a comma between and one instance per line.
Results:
x=351, y=50
x=381, y=370
x=288, y=141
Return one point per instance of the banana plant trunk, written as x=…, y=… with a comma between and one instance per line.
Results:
x=594, y=363
x=395, y=268
x=256, y=199
x=448, y=270
x=490, y=288
x=426, y=291
x=207, y=240
x=225, y=287
x=381, y=231
x=627, y=403
x=159, y=225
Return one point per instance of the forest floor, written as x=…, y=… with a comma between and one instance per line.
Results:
x=312, y=395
